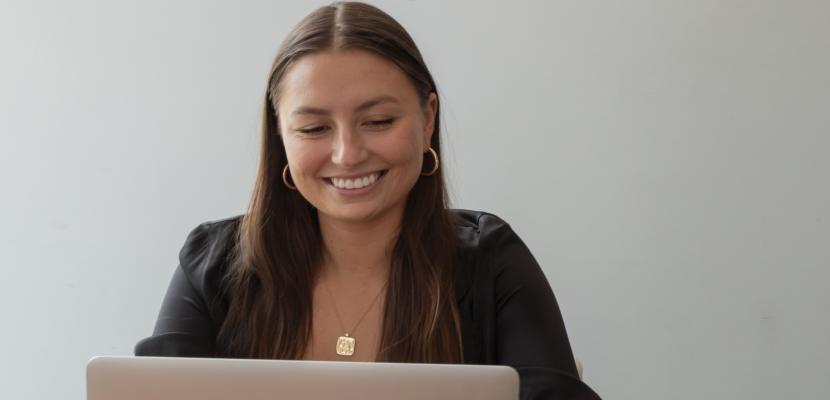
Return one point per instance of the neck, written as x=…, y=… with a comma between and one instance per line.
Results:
x=359, y=249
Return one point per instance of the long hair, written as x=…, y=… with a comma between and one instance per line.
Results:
x=279, y=248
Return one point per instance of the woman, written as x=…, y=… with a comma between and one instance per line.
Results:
x=348, y=250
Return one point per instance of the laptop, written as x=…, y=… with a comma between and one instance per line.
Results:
x=169, y=378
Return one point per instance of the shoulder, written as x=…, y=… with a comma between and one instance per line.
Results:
x=485, y=244
x=480, y=230
x=492, y=251
x=205, y=254
x=209, y=236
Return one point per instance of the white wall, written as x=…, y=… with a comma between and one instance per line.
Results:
x=666, y=161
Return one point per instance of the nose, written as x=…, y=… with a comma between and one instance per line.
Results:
x=348, y=148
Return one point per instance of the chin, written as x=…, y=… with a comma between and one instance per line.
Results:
x=351, y=212
x=354, y=212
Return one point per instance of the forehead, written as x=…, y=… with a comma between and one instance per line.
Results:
x=342, y=79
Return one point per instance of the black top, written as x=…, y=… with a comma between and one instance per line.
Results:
x=508, y=312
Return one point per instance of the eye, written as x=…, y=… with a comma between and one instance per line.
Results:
x=380, y=123
x=312, y=130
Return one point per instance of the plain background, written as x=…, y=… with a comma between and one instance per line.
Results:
x=666, y=162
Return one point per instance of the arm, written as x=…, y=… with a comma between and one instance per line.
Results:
x=530, y=332
x=184, y=327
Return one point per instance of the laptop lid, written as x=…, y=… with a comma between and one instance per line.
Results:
x=169, y=378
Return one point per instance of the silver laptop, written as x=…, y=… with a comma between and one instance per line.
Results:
x=168, y=378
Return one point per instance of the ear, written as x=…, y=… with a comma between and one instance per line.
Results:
x=430, y=111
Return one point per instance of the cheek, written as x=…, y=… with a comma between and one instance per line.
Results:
x=403, y=154
x=403, y=148
x=305, y=158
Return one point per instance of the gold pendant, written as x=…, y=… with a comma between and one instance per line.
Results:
x=345, y=345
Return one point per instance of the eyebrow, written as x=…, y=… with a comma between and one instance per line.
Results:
x=365, y=105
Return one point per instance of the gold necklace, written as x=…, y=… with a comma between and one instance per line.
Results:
x=345, y=343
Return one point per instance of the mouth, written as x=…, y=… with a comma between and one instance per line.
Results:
x=356, y=182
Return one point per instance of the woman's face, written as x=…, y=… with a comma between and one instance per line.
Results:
x=355, y=133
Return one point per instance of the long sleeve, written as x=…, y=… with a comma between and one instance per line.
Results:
x=183, y=328
x=192, y=310
x=529, y=334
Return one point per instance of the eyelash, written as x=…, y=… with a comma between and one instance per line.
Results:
x=382, y=122
x=311, y=131
x=374, y=124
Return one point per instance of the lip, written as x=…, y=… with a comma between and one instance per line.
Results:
x=355, y=192
x=380, y=171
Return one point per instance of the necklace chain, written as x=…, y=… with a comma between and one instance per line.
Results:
x=347, y=340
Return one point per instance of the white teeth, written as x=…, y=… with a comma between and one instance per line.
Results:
x=356, y=183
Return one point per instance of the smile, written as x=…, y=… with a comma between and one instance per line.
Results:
x=355, y=183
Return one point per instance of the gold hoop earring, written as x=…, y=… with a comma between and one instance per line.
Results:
x=285, y=178
x=434, y=167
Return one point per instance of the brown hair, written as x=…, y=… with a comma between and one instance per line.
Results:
x=279, y=246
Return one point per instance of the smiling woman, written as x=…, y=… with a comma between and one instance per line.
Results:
x=349, y=118
x=348, y=250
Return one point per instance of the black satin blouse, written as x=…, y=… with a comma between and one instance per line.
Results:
x=508, y=312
